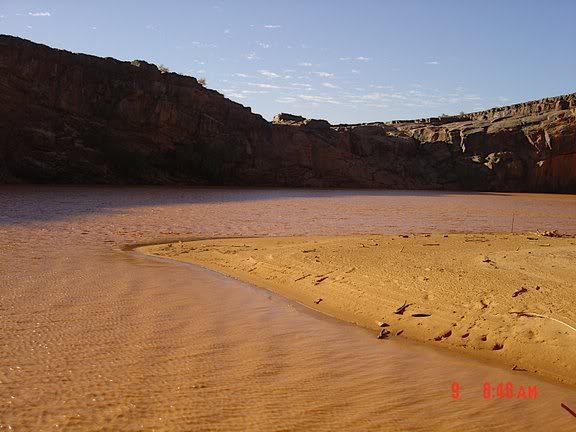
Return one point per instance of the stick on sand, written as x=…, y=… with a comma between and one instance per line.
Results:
x=568, y=409
x=530, y=314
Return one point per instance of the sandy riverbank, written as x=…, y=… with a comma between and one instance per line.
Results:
x=474, y=287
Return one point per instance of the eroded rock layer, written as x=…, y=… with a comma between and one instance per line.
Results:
x=75, y=118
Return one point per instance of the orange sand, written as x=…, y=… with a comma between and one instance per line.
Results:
x=467, y=283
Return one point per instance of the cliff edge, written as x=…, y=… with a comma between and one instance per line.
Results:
x=76, y=118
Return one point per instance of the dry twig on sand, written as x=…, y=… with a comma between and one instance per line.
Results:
x=519, y=291
x=401, y=309
x=531, y=314
x=383, y=334
x=568, y=409
x=552, y=233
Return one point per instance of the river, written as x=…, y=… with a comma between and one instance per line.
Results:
x=97, y=337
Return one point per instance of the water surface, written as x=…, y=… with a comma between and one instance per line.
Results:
x=97, y=338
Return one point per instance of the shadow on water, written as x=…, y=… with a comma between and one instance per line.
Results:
x=23, y=203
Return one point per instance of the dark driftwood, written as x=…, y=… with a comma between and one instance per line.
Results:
x=401, y=309
x=520, y=291
x=383, y=334
x=568, y=409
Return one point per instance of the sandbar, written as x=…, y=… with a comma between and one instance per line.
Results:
x=502, y=297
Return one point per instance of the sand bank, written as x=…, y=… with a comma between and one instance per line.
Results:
x=475, y=293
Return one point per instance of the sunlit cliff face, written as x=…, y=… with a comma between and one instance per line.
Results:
x=91, y=120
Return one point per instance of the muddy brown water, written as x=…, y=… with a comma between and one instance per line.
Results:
x=94, y=337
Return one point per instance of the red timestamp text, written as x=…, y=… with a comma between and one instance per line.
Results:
x=500, y=390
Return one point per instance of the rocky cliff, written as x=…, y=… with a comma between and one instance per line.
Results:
x=74, y=118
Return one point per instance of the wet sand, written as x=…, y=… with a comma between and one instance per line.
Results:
x=96, y=338
x=486, y=295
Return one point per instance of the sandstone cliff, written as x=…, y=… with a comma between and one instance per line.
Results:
x=74, y=118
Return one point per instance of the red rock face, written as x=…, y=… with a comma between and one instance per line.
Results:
x=73, y=118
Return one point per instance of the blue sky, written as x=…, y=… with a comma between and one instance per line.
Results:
x=345, y=61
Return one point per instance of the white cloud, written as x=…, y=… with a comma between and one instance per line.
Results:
x=301, y=85
x=471, y=97
x=421, y=97
x=93, y=28
x=226, y=31
x=286, y=100
x=236, y=95
x=376, y=97
x=305, y=64
x=503, y=99
x=319, y=99
x=433, y=62
x=241, y=75
x=254, y=91
x=263, y=45
x=359, y=58
x=39, y=14
x=329, y=85
x=355, y=71
x=269, y=74
x=392, y=95
x=196, y=43
x=378, y=86
x=272, y=26
x=251, y=56
x=323, y=74
x=261, y=85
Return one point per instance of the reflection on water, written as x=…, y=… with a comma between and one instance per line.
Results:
x=95, y=338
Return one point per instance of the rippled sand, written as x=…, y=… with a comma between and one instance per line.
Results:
x=98, y=338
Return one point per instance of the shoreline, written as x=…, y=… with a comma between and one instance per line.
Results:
x=471, y=293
